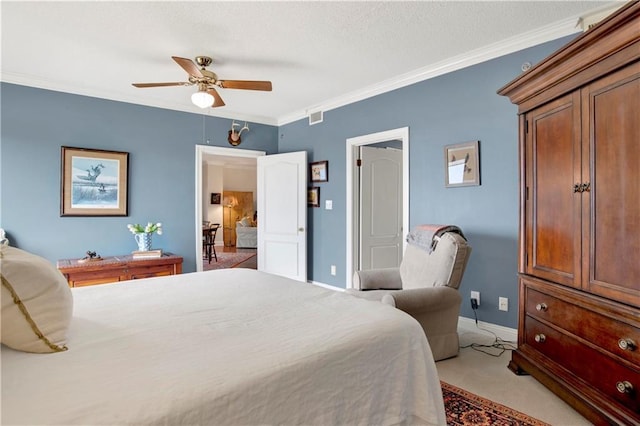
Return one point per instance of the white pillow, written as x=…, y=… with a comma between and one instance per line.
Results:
x=37, y=304
x=245, y=221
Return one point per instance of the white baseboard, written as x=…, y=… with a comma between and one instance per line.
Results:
x=330, y=287
x=468, y=325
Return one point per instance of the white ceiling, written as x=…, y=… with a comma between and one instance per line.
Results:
x=319, y=55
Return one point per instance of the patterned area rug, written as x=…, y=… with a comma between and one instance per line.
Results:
x=465, y=408
x=227, y=260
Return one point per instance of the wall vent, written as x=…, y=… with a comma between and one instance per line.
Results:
x=315, y=117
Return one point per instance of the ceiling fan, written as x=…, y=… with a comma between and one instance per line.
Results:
x=207, y=81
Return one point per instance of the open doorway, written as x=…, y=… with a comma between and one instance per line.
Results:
x=389, y=222
x=210, y=162
x=281, y=207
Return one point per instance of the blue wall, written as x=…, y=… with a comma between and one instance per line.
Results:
x=457, y=107
x=453, y=108
x=161, y=145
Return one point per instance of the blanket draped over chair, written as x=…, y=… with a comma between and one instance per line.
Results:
x=427, y=236
x=425, y=285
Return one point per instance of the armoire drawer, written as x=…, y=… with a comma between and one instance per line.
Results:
x=611, y=335
x=613, y=379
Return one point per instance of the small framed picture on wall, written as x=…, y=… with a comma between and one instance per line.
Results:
x=215, y=198
x=319, y=171
x=313, y=197
x=462, y=164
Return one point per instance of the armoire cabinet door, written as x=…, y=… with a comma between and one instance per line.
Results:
x=611, y=208
x=552, y=208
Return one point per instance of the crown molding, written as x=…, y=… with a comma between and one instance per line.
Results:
x=532, y=38
x=30, y=81
x=504, y=47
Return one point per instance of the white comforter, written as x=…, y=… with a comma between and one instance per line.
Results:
x=226, y=347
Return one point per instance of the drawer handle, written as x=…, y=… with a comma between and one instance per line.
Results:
x=540, y=338
x=627, y=344
x=541, y=307
x=624, y=387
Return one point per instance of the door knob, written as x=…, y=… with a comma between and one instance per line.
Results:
x=541, y=307
x=300, y=229
x=627, y=344
x=624, y=387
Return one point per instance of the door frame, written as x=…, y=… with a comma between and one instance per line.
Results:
x=201, y=150
x=401, y=134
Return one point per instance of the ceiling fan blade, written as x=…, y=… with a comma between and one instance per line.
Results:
x=142, y=85
x=188, y=65
x=245, y=84
x=217, y=100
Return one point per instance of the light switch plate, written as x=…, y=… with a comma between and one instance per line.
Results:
x=328, y=204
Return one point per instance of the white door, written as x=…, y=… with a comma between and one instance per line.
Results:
x=380, y=207
x=282, y=214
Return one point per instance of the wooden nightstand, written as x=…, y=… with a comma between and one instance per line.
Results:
x=118, y=268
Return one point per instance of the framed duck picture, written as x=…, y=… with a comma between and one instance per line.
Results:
x=93, y=182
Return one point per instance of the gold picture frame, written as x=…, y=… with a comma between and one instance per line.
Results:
x=93, y=182
x=462, y=164
x=313, y=197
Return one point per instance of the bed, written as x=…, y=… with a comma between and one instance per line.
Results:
x=226, y=347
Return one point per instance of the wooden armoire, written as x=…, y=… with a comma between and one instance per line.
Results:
x=579, y=261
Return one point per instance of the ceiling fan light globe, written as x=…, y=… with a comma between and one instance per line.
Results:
x=202, y=99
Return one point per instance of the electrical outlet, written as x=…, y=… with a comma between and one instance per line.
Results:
x=476, y=295
x=333, y=269
x=503, y=303
x=474, y=304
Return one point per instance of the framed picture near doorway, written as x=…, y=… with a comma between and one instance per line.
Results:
x=462, y=164
x=313, y=197
x=319, y=171
x=93, y=182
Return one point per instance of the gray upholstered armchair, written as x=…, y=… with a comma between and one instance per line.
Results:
x=425, y=285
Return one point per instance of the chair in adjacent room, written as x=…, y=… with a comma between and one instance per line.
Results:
x=425, y=285
x=209, y=241
x=246, y=234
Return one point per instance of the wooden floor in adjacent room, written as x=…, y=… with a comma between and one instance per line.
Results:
x=251, y=263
